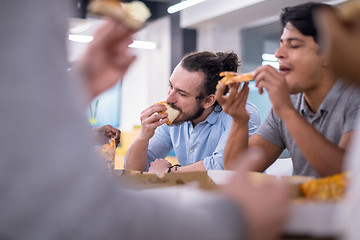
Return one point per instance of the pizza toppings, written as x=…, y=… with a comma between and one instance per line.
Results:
x=327, y=188
x=172, y=113
x=233, y=77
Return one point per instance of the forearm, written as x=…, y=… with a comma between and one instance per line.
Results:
x=136, y=155
x=236, y=143
x=324, y=156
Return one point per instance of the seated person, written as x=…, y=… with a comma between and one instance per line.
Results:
x=313, y=112
x=200, y=131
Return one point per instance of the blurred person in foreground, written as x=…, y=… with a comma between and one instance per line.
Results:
x=198, y=135
x=340, y=38
x=53, y=186
x=313, y=112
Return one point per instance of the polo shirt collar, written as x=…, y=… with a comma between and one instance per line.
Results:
x=329, y=101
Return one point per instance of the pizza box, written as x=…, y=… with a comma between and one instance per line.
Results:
x=210, y=180
x=307, y=219
x=143, y=180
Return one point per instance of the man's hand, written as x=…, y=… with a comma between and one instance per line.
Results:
x=150, y=121
x=107, y=57
x=265, y=204
x=160, y=167
x=275, y=84
x=234, y=102
x=104, y=133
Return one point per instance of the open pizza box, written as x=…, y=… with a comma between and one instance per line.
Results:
x=307, y=219
x=210, y=180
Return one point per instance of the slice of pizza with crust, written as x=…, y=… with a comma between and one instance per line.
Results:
x=132, y=14
x=107, y=152
x=172, y=112
x=234, y=77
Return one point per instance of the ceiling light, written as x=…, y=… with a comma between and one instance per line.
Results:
x=142, y=45
x=80, y=38
x=182, y=5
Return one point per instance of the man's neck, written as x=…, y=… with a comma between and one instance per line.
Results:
x=315, y=97
x=203, y=116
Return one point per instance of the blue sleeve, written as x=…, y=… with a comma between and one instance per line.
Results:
x=160, y=144
x=255, y=120
x=216, y=160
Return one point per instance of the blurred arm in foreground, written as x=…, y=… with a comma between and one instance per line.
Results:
x=340, y=38
x=54, y=187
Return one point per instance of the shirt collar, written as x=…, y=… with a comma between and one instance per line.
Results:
x=329, y=101
x=212, y=118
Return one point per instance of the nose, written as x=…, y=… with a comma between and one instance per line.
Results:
x=280, y=53
x=171, y=98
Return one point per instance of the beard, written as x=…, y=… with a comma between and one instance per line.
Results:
x=198, y=111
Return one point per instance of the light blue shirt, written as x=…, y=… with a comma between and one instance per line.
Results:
x=206, y=141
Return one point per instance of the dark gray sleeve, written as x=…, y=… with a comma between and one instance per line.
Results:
x=270, y=129
x=52, y=186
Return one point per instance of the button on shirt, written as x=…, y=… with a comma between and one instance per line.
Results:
x=335, y=116
x=206, y=141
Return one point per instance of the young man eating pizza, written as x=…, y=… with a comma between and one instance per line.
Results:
x=199, y=133
x=313, y=112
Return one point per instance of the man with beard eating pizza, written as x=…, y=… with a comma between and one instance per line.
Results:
x=199, y=133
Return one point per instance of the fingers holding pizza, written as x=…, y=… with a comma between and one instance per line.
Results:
x=156, y=115
x=276, y=86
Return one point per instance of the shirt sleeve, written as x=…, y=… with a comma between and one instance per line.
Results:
x=270, y=129
x=254, y=121
x=216, y=160
x=160, y=144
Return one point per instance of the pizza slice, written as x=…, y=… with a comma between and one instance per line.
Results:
x=172, y=113
x=132, y=14
x=107, y=152
x=234, y=77
x=328, y=188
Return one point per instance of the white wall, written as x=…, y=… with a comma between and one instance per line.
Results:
x=147, y=80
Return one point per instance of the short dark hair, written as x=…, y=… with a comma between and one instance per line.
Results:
x=302, y=17
x=211, y=64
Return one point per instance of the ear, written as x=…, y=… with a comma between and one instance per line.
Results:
x=209, y=101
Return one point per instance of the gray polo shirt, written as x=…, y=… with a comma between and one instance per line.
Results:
x=335, y=116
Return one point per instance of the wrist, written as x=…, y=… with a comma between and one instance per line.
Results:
x=288, y=114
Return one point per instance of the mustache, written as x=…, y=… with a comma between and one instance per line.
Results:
x=175, y=107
